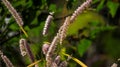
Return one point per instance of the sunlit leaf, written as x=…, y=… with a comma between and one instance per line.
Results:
x=113, y=6
x=83, y=21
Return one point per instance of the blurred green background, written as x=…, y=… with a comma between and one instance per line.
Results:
x=93, y=38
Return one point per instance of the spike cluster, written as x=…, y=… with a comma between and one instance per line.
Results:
x=63, y=29
x=47, y=23
x=6, y=60
x=45, y=47
x=62, y=34
x=24, y=48
x=47, y=50
x=13, y=12
x=51, y=51
x=80, y=9
x=63, y=64
x=58, y=38
x=15, y=15
x=58, y=63
x=57, y=60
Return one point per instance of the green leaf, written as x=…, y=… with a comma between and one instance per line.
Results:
x=83, y=46
x=18, y=3
x=95, y=1
x=35, y=31
x=52, y=7
x=29, y=3
x=27, y=28
x=113, y=6
x=14, y=27
x=51, y=29
x=96, y=30
x=35, y=48
x=84, y=21
x=35, y=21
x=101, y=5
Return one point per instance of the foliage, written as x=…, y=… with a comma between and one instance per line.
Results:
x=98, y=26
x=83, y=46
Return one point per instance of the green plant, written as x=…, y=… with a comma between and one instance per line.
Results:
x=86, y=33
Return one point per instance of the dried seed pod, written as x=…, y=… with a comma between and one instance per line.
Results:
x=45, y=47
x=22, y=47
x=47, y=23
